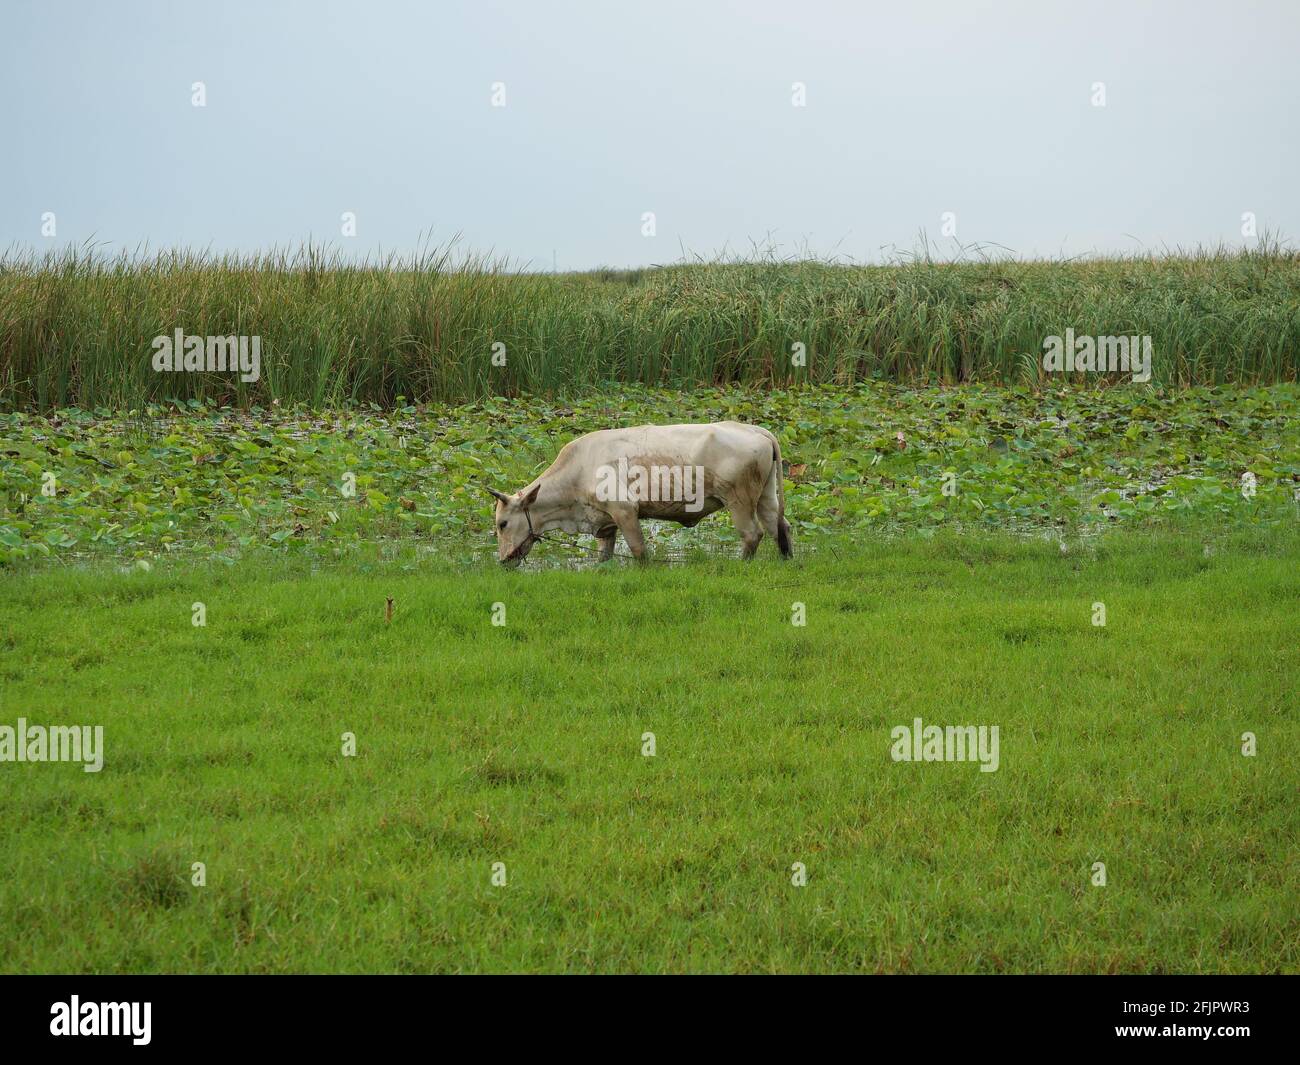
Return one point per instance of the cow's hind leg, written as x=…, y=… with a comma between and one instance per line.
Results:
x=769, y=517
x=751, y=533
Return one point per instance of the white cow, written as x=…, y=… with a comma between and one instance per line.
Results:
x=605, y=482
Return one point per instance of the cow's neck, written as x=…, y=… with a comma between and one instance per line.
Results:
x=556, y=508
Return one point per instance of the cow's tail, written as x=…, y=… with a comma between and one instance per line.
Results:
x=782, y=526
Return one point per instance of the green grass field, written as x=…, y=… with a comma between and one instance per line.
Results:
x=522, y=744
x=76, y=328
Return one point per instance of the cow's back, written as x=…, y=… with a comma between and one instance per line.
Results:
x=708, y=444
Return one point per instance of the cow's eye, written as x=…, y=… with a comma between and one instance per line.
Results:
x=501, y=525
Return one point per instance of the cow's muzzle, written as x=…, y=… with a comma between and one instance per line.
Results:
x=512, y=560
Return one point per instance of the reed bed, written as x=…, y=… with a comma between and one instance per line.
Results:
x=76, y=327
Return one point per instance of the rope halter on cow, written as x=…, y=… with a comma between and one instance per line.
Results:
x=533, y=535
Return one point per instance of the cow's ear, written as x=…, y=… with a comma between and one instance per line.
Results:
x=531, y=497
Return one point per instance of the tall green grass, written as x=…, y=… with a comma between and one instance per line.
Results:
x=76, y=327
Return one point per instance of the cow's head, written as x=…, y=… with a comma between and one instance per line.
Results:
x=514, y=527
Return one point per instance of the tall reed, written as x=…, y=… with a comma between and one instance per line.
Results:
x=76, y=327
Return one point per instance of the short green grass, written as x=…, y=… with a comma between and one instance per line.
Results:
x=522, y=744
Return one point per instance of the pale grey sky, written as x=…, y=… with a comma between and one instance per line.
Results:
x=679, y=108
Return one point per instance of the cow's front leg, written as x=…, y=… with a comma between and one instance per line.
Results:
x=606, y=537
x=630, y=527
